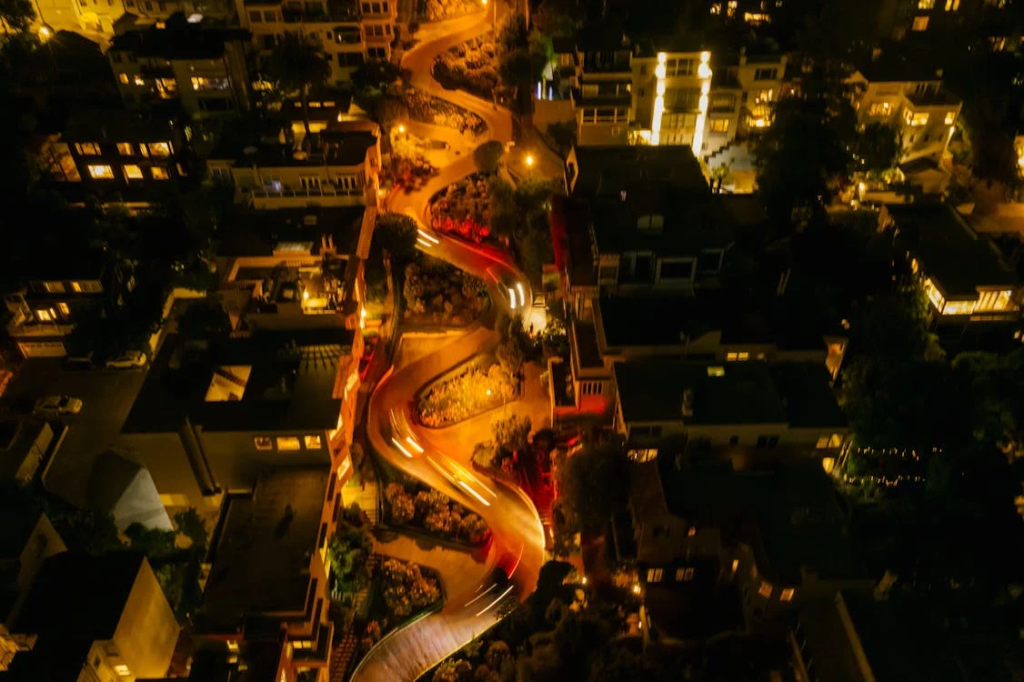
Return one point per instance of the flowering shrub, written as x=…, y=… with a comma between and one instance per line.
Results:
x=434, y=512
x=470, y=66
x=406, y=589
x=469, y=393
x=463, y=209
x=436, y=293
x=429, y=109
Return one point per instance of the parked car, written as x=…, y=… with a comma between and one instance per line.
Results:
x=127, y=360
x=58, y=404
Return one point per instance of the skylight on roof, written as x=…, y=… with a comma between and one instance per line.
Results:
x=228, y=383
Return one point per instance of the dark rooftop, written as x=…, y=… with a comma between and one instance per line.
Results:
x=290, y=383
x=697, y=609
x=118, y=125
x=653, y=391
x=75, y=600
x=956, y=259
x=338, y=145
x=807, y=395
x=274, y=528
x=586, y=344
x=179, y=40
x=257, y=232
x=609, y=170
x=892, y=67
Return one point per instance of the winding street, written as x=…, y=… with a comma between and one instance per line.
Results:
x=475, y=601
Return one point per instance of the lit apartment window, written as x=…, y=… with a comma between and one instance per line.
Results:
x=288, y=443
x=88, y=148
x=654, y=575
x=950, y=117
x=836, y=440
x=132, y=172
x=912, y=119
x=160, y=173
x=920, y=24
x=716, y=371
x=716, y=8
x=765, y=590
x=54, y=287
x=684, y=574
x=952, y=5
x=160, y=149
x=787, y=594
x=743, y=356
x=200, y=83
x=263, y=442
x=822, y=442
x=122, y=670
x=101, y=172
x=880, y=109
x=64, y=309
x=312, y=442
x=139, y=80
x=925, y=4
x=731, y=8
x=719, y=125
x=764, y=96
x=44, y=315
x=124, y=148
x=735, y=565
x=642, y=455
x=123, y=78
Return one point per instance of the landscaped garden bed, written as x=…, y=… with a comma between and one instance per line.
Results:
x=469, y=66
x=436, y=10
x=426, y=108
x=411, y=504
x=471, y=389
x=409, y=166
x=463, y=209
x=438, y=294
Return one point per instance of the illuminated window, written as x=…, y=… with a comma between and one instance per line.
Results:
x=933, y=293
x=288, y=443
x=920, y=24
x=716, y=371
x=124, y=148
x=88, y=148
x=122, y=670
x=918, y=119
x=123, y=77
x=654, y=575
x=643, y=455
x=54, y=287
x=735, y=565
x=787, y=594
x=836, y=440
x=101, y=172
x=312, y=442
x=765, y=590
x=160, y=149
x=64, y=308
x=731, y=8
x=952, y=5
x=994, y=301
x=950, y=117
x=716, y=8
x=822, y=443
x=743, y=356
x=959, y=307
x=764, y=96
x=719, y=125
x=925, y=4
x=199, y=83
x=263, y=442
x=139, y=80
x=880, y=109
x=731, y=357
x=44, y=315
x=684, y=574
x=160, y=173
x=132, y=172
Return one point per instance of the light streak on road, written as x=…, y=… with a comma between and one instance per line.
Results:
x=522, y=296
x=518, y=561
x=428, y=237
x=493, y=276
x=423, y=243
x=479, y=596
x=493, y=603
x=512, y=297
x=414, y=445
x=474, y=493
x=466, y=473
x=399, y=446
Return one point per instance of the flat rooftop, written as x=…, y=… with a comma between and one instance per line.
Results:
x=271, y=381
x=179, y=40
x=264, y=544
x=340, y=144
x=262, y=232
x=956, y=258
x=606, y=170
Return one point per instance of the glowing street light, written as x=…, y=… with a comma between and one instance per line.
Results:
x=401, y=129
x=529, y=160
x=45, y=33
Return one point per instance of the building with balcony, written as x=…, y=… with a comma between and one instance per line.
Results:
x=719, y=550
x=94, y=619
x=910, y=98
x=272, y=622
x=671, y=94
x=66, y=287
x=179, y=66
x=963, y=274
x=350, y=31
x=338, y=166
x=125, y=156
x=746, y=411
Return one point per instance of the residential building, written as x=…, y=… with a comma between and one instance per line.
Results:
x=916, y=20
x=24, y=442
x=194, y=68
x=152, y=11
x=27, y=539
x=963, y=274
x=602, y=98
x=671, y=94
x=909, y=97
x=745, y=547
x=709, y=327
x=350, y=31
x=337, y=166
x=273, y=622
x=122, y=155
x=95, y=619
x=67, y=286
x=748, y=411
x=100, y=16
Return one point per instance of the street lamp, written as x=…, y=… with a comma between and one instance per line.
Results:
x=401, y=129
x=45, y=33
x=529, y=163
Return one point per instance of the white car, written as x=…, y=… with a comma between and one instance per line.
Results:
x=58, y=404
x=127, y=360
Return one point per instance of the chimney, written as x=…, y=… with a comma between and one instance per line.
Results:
x=688, y=402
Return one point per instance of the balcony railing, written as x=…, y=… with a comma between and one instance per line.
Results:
x=309, y=192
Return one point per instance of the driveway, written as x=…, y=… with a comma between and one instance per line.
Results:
x=107, y=397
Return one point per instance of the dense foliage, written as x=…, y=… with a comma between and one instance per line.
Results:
x=434, y=512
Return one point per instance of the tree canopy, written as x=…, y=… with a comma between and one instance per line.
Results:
x=298, y=63
x=488, y=155
x=593, y=485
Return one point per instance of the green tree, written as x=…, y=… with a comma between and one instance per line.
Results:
x=204, y=319
x=488, y=155
x=996, y=384
x=802, y=158
x=593, y=485
x=191, y=525
x=156, y=544
x=349, y=554
x=396, y=234
x=298, y=63
x=512, y=433
x=16, y=15
x=878, y=148
x=511, y=359
x=454, y=670
x=374, y=86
